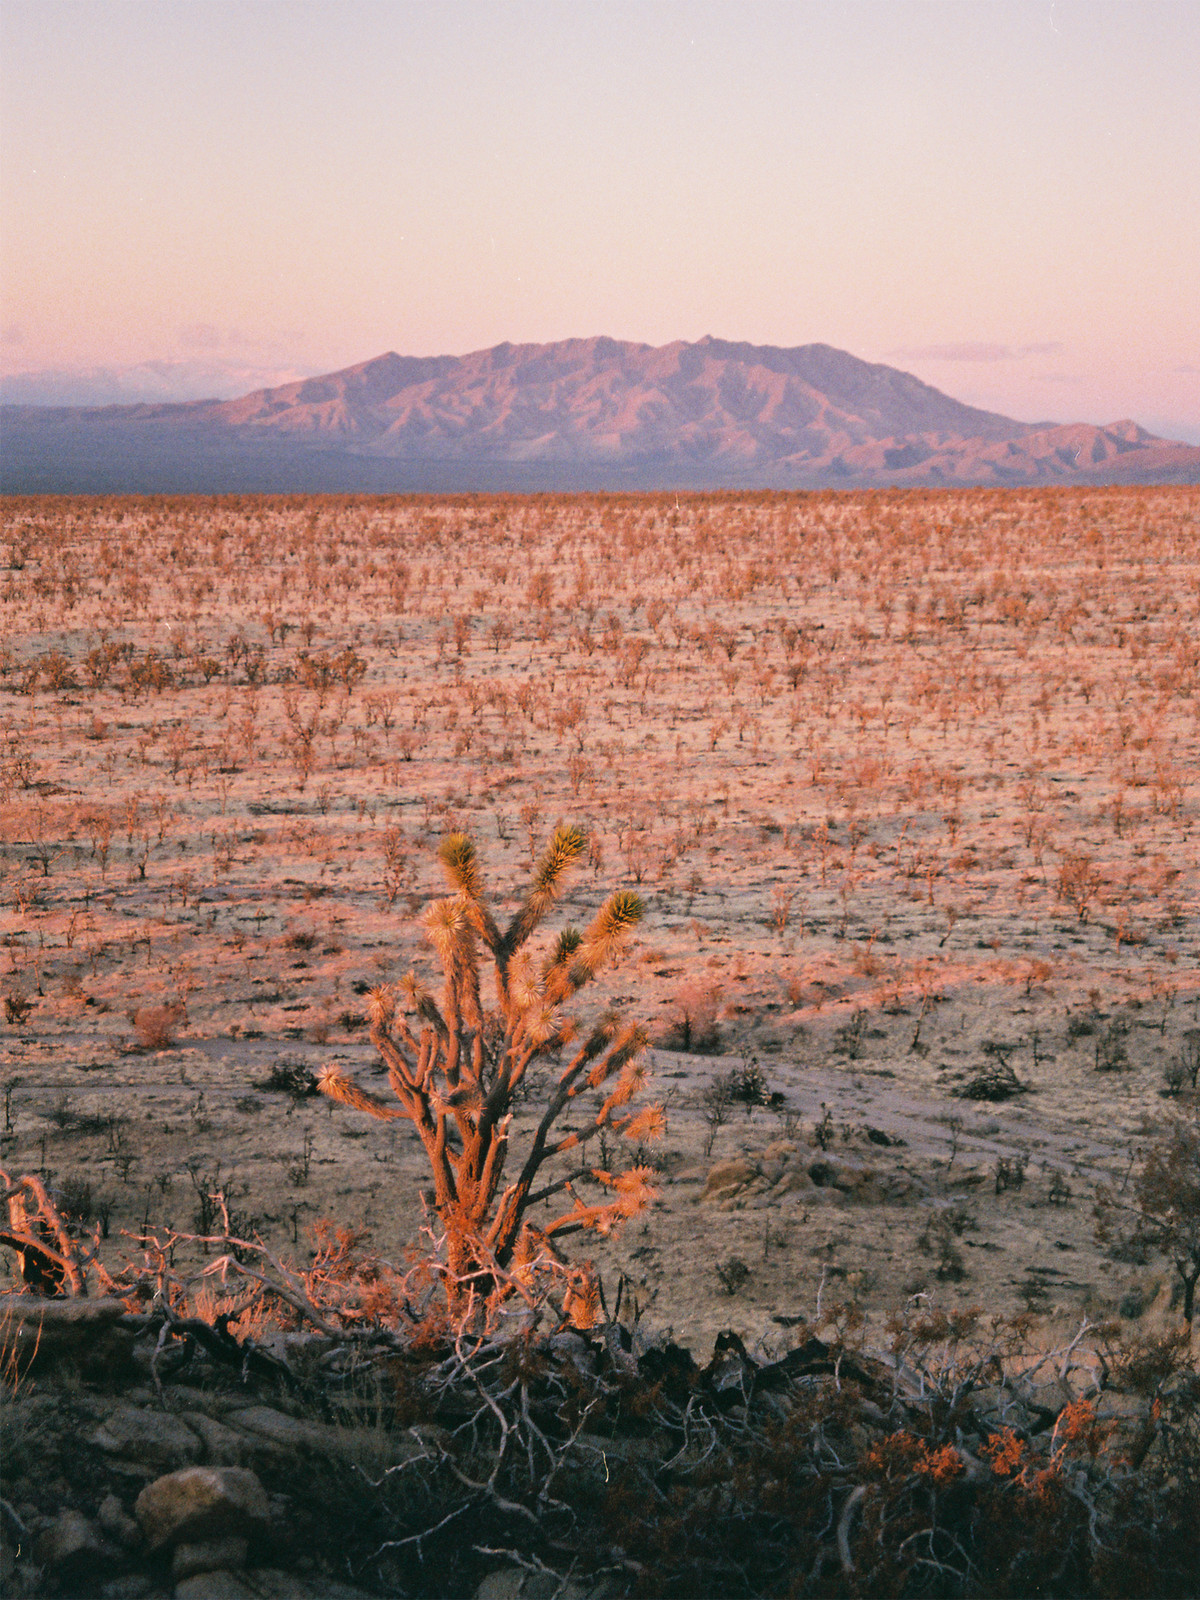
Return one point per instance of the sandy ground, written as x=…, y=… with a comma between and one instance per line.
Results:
x=908, y=783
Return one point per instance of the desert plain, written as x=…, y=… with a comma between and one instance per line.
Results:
x=909, y=783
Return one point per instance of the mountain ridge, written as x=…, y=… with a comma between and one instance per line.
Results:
x=583, y=412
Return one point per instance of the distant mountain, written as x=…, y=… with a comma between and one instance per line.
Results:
x=580, y=414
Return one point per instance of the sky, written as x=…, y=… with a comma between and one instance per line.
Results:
x=201, y=196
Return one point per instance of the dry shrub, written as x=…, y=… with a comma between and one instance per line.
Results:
x=155, y=1027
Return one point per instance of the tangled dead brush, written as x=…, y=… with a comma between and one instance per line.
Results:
x=958, y=1459
x=455, y=1070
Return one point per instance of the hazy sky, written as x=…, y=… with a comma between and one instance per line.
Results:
x=998, y=196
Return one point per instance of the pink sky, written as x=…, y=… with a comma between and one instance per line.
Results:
x=224, y=193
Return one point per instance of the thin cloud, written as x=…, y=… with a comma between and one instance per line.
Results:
x=200, y=336
x=12, y=333
x=975, y=352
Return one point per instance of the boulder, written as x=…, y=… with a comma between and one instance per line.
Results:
x=117, y=1523
x=727, y=1178
x=840, y=1172
x=129, y=1586
x=201, y=1503
x=71, y=1544
x=510, y=1583
x=225, y=1446
x=780, y=1150
x=794, y=1180
x=219, y=1585
x=227, y=1554
x=86, y=1334
x=152, y=1439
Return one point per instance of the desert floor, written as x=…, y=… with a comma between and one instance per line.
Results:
x=910, y=784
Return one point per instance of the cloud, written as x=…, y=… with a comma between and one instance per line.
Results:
x=12, y=333
x=1056, y=377
x=975, y=352
x=1188, y=369
x=200, y=336
x=148, y=382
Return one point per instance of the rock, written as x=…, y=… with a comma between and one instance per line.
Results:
x=71, y=1544
x=215, y=1586
x=291, y=1433
x=510, y=1583
x=224, y=1446
x=263, y=1583
x=131, y=1586
x=152, y=1439
x=794, y=1180
x=727, y=1178
x=117, y=1523
x=86, y=1334
x=694, y=1173
x=780, y=1150
x=594, y=1461
x=841, y=1172
x=201, y=1503
x=227, y=1554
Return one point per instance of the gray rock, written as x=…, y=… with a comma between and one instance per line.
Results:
x=227, y=1554
x=201, y=1503
x=273, y=1584
x=510, y=1583
x=215, y=1586
x=131, y=1586
x=117, y=1523
x=224, y=1446
x=86, y=1334
x=148, y=1438
x=291, y=1433
x=70, y=1543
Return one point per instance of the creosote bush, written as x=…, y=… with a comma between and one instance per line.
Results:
x=456, y=1070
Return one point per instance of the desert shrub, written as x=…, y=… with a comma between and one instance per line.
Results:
x=155, y=1027
x=1112, y=1055
x=692, y=1026
x=456, y=1070
x=1164, y=1213
x=16, y=1008
x=745, y=1085
x=289, y=1077
x=996, y=1081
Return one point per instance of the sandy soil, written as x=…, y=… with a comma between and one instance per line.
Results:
x=908, y=782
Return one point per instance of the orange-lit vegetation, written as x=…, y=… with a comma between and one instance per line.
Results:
x=899, y=777
x=905, y=788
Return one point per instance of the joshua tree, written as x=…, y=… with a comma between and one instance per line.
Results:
x=455, y=1070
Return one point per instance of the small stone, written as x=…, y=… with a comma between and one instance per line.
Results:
x=210, y=1555
x=201, y=1503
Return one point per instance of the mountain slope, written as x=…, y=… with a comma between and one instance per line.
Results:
x=584, y=413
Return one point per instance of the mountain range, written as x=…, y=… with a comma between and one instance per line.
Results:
x=578, y=414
